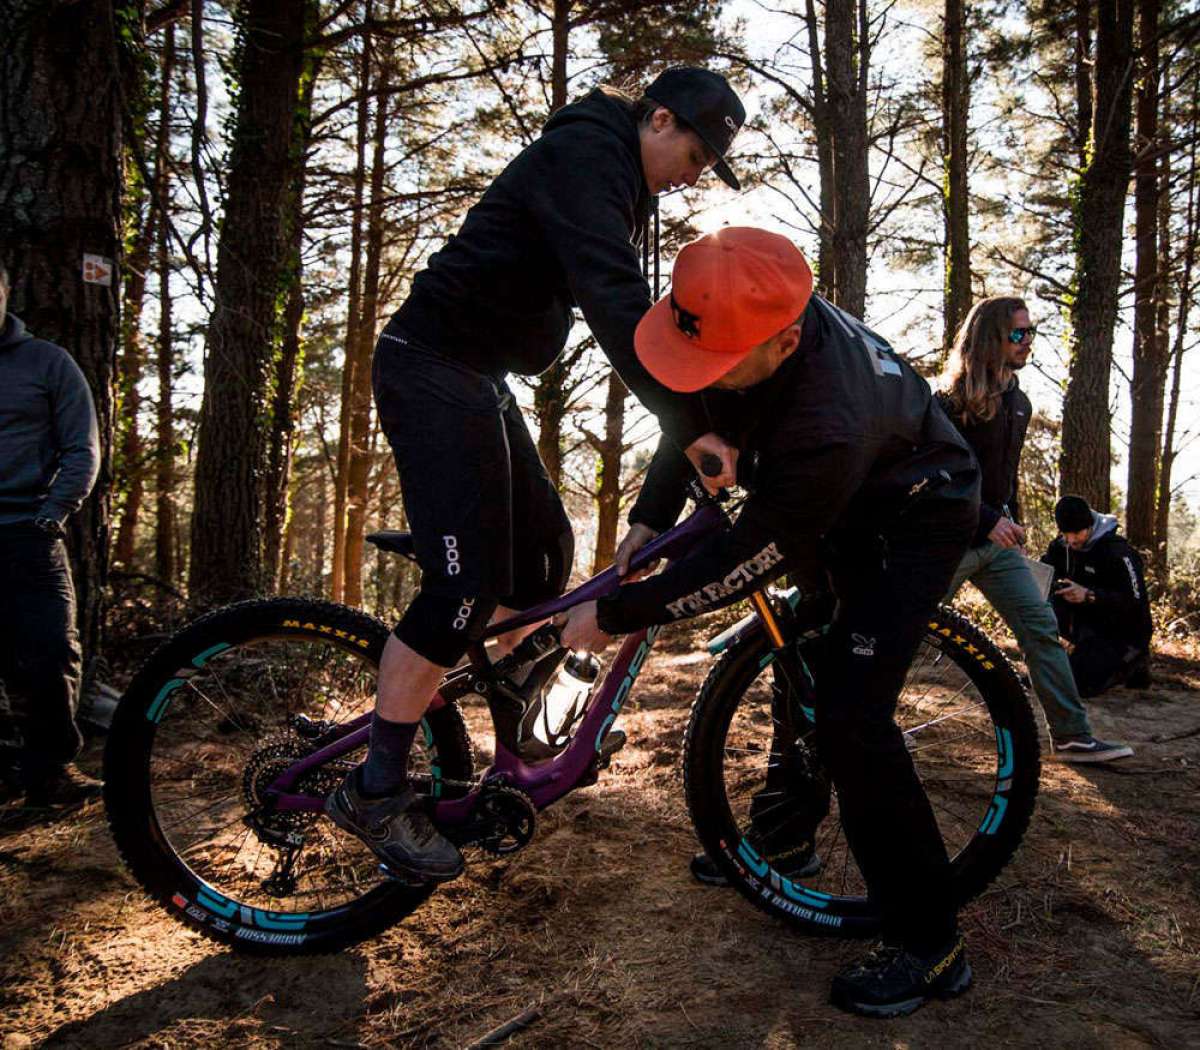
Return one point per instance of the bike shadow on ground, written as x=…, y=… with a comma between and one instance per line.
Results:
x=301, y=1000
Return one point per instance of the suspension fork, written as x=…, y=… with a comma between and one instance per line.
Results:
x=792, y=680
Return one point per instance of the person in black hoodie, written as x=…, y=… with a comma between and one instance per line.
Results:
x=1100, y=599
x=982, y=396
x=556, y=229
x=859, y=483
x=49, y=458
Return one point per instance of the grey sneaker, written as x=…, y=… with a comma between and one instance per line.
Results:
x=396, y=830
x=1088, y=749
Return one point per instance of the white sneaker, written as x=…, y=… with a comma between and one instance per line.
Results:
x=1089, y=749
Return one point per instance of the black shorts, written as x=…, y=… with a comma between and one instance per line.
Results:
x=487, y=524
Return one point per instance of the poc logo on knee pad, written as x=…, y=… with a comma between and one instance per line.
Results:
x=464, y=614
x=453, y=565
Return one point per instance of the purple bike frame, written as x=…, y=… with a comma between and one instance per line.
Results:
x=546, y=781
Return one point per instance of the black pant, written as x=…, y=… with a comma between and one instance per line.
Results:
x=886, y=593
x=1100, y=662
x=40, y=659
x=487, y=524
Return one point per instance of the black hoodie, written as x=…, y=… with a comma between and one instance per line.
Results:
x=1109, y=566
x=556, y=229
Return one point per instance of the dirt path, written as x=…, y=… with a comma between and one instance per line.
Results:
x=1090, y=938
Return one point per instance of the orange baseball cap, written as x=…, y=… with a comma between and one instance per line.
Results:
x=730, y=291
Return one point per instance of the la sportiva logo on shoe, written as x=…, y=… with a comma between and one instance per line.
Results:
x=863, y=646
x=940, y=968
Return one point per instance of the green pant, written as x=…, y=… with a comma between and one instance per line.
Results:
x=1005, y=580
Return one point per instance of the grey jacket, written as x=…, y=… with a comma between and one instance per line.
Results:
x=49, y=443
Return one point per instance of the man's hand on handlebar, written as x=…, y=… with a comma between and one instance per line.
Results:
x=712, y=445
x=580, y=630
x=635, y=539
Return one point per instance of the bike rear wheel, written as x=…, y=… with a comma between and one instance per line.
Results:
x=970, y=732
x=215, y=715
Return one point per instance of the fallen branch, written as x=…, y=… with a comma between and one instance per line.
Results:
x=1162, y=738
x=1144, y=772
x=510, y=1028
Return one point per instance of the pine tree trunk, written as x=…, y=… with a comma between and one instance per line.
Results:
x=1083, y=78
x=608, y=470
x=847, y=57
x=1086, y=458
x=1159, y=549
x=825, y=265
x=341, y=477
x=286, y=380
x=289, y=548
x=283, y=428
x=130, y=468
x=319, y=552
x=166, y=562
x=360, y=398
x=244, y=332
x=955, y=202
x=1151, y=350
x=61, y=182
x=549, y=390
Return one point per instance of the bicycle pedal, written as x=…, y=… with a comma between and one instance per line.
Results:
x=610, y=745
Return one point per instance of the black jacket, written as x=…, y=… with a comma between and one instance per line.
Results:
x=1113, y=569
x=841, y=436
x=557, y=228
x=997, y=445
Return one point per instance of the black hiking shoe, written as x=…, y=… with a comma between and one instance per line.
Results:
x=892, y=981
x=1139, y=675
x=11, y=787
x=796, y=862
x=68, y=786
x=1086, y=748
x=397, y=830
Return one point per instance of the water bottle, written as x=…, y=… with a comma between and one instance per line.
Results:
x=565, y=700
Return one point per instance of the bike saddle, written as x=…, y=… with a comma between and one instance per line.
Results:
x=392, y=540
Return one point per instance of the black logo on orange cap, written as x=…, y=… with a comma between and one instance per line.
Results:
x=686, y=321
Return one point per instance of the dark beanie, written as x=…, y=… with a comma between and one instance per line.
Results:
x=1072, y=514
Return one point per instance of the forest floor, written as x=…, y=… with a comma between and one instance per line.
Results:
x=1091, y=937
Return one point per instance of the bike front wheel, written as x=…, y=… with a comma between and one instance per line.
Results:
x=215, y=715
x=970, y=732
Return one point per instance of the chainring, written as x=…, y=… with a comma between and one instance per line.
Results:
x=508, y=818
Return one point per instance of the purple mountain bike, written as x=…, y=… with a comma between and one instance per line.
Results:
x=227, y=742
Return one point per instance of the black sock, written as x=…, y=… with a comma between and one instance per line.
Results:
x=385, y=771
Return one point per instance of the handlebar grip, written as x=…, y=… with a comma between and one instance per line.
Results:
x=710, y=465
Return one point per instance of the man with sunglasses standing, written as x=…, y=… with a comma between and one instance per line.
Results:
x=982, y=396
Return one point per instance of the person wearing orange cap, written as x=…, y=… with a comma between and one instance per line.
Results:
x=859, y=484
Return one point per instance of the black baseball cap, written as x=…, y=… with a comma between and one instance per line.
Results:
x=708, y=105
